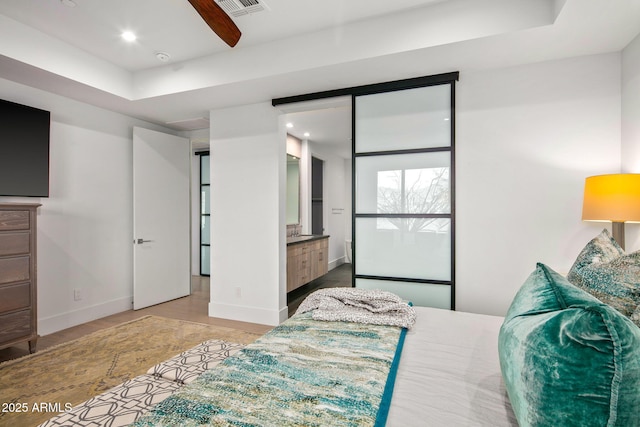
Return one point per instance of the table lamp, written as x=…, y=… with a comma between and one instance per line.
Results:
x=614, y=198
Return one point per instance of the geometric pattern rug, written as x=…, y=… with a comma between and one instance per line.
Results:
x=117, y=407
x=36, y=387
x=125, y=403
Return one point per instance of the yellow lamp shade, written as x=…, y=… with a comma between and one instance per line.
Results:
x=614, y=197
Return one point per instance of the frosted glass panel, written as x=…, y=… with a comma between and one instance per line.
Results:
x=405, y=119
x=205, y=261
x=420, y=294
x=205, y=199
x=205, y=211
x=413, y=248
x=204, y=170
x=205, y=230
x=403, y=183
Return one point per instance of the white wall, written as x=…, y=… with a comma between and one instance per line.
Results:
x=348, y=226
x=631, y=125
x=85, y=227
x=527, y=137
x=248, y=231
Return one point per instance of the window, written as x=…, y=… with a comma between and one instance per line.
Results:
x=205, y=215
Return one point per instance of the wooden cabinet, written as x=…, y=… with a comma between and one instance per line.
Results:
x=18, y=314
x=306, y=261
x=319, y=252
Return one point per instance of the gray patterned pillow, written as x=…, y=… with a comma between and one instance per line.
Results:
x=602, y=248
x=606, y=272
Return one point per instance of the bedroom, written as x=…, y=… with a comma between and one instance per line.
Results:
x=532, y=124
x=555, y=116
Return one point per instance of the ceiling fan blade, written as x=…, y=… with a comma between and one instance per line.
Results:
x=218, y=20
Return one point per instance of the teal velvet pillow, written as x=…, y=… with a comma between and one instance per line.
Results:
x=606, y=272
x=567, y=359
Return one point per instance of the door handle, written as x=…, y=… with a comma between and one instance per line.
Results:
x=141, y=241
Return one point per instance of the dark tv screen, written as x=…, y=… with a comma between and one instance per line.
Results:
x=24, y=150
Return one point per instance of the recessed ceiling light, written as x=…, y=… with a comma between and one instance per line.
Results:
x=289, y=125
x=68, y=3
x=307, y=134
x=129, y=36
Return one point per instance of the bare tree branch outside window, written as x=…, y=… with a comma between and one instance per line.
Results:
x=414, y=191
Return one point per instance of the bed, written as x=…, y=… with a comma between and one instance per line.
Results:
x=560, y=356
x=447, y=373
x=444, y=370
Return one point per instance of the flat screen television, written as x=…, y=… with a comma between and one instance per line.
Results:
x=24, y=150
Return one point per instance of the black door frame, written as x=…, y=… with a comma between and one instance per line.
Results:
x=412, y=83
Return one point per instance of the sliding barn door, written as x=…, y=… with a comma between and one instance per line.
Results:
x=403, y=158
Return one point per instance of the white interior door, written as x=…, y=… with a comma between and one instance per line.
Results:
x=161, y=217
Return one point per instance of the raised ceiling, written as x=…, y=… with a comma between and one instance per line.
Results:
x=294, y=47
x=174, y=27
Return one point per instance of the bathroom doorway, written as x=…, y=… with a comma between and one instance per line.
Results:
x=324, y=130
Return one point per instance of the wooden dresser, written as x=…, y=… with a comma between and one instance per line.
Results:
x=18, y=314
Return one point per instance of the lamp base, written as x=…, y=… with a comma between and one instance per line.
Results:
x=618, y=233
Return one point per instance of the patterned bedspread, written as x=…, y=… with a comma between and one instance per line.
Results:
x=302, y=373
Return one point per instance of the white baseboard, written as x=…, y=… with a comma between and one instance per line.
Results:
x=49, y=325
x=336, y=263
x=248, y=314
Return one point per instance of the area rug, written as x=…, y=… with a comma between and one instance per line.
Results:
x=36, y=387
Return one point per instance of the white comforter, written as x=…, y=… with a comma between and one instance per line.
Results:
x=449, y=373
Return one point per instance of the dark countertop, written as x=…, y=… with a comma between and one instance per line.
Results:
x=305, y=238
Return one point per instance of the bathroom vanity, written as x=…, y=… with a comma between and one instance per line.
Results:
x=306, y=259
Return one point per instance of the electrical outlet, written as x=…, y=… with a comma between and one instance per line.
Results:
x=77, y=295
x=238, y=292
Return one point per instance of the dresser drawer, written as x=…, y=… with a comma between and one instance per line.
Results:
x=14, y=243
x=14, y=297
x=14, y=220
x=15, y=325
x=14, y=269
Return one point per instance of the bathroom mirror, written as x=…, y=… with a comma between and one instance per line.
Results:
x=293, y=190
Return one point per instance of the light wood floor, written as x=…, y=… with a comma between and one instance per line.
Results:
x=193, y=308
